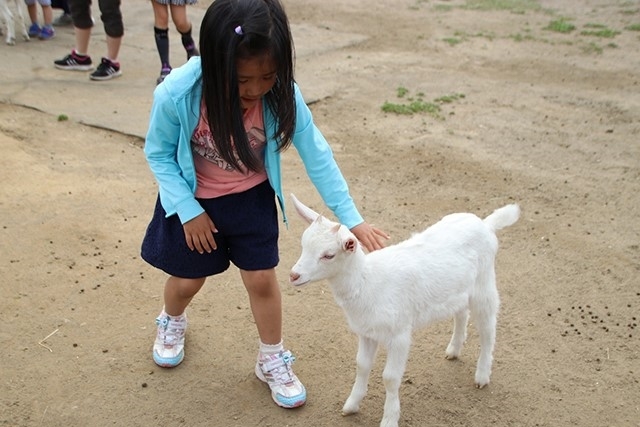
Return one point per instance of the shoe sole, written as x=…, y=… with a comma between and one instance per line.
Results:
x=168, y=362
x=287, y=405
x=109, y=77
x=74, y=67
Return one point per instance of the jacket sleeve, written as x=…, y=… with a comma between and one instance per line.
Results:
x=321, y=166
x=161, y=151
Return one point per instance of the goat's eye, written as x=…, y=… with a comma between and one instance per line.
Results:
x=327, y=257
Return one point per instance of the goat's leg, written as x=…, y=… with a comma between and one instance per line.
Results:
x=397, y=354
x=366, y=355
x=459, y=335
x=485, y=316
x=8, y=16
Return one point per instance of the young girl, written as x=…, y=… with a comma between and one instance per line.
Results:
x=178, y=10
x=218, y=125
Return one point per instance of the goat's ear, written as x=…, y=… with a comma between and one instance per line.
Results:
x=350, y=244
x=305, y=212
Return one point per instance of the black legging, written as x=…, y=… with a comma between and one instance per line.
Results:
x=110, y=16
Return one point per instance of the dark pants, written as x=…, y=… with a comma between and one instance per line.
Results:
x=61, y=4
x=109, y=14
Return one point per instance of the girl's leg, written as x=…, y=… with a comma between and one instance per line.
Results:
x=168, y=348
x=47, y=15
x=183, y=25
x=266, y=305
x=161, y=35
x=274, y=363
x=47, y=30
x=178, y=293
x=34, y=29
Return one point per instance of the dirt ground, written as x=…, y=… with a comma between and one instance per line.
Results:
x=547, y=119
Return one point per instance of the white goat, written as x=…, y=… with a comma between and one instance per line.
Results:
x=445, y=271
x=7, y=16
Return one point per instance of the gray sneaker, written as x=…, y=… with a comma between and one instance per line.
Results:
x=63, y=20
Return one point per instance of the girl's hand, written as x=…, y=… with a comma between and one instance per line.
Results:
x=198, y=233
x=371, y=237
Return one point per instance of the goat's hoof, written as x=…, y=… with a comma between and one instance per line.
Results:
x=349, y=410
x=388, y=423
x=451, y=356
x=481, y=385
x=11, y=42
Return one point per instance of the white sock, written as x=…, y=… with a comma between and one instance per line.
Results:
x=178, y=318
x=271, y=348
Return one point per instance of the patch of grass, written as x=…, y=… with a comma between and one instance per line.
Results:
x=561, y=25
x=417, y=104
x=629, y=11
x=63, y=117
x=452, y=40
x=516, y=6
x=446, y=99
x=633, y=27
x=592, y=48
x=520, y=38
x=603, y=32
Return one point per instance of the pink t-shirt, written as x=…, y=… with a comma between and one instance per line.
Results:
x=217, y=177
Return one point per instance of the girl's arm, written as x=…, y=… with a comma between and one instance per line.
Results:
x=322, y=169
x=162, y=152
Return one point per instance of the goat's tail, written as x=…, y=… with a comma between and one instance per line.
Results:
x=503, y=217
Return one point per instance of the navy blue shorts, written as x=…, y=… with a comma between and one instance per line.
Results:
x=247, y=236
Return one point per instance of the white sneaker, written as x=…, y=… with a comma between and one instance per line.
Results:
x=168, y=349
x=275, y=370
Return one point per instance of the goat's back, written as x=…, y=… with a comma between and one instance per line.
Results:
x=453, y=234
x=433, y=274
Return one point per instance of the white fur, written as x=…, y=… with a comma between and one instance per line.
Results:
x=445, y=271
x=8, y=18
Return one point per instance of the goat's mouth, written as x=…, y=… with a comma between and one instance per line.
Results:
x=299, y=282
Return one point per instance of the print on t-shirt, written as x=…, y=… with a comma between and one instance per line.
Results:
x=202, y=143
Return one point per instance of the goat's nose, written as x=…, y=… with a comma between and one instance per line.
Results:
x=293, y=276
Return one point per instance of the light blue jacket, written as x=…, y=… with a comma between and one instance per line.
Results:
x=174, y=116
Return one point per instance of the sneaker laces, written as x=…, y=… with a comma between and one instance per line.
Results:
x=171, y=330
x=277, y=368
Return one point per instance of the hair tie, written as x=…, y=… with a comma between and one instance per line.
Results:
x=238, y=30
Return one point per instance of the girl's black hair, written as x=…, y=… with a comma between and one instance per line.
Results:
x=263, y=30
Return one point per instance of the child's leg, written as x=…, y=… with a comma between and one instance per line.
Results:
x=47, y=12
x=47, y=15
x=266, y=305
x=32, y=8
x=168, y=348
x=161, y=35
x=274, y=362
x=47, y=31
x=178, y=293
x=183, y=25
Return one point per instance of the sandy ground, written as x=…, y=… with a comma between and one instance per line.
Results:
x=546, y=119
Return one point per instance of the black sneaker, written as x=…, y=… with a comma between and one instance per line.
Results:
x=73, y=61
x=107, y=70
